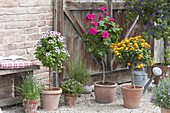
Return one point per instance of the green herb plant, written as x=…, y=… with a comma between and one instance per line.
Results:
x=161, y=94
x=78, y=71
x=30, y=89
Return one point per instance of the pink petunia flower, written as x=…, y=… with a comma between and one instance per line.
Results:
x=94, y=23
x=90, y=17
x=92, y=31
x=107, y=13
x=101, y=15
x=105, y=34
x=82, y=31
x=111, y=19
x=103, y=8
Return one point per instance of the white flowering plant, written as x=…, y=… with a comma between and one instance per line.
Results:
x=72, y=86
x=161, y=94
x=51, y=51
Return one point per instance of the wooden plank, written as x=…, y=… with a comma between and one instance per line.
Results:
x=70, y=5
x=12, y=71
x=10, y=101
x=119, y=76
x=74, y=22
x=60, y=16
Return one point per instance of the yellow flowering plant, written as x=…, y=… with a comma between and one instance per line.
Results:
x=131, y=52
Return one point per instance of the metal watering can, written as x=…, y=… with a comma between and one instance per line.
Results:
x=156, y=72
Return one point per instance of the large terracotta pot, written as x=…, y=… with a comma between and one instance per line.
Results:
x=50, y=98
x=105, y=93
x=70, y=100
x=30, y=106
x=131, y=96
x=164, y=110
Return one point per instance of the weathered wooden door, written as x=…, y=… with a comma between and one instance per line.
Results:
x=71, y=22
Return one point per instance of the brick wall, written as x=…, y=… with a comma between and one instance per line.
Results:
x=21, y=23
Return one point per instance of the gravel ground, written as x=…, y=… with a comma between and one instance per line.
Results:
x=87, y=104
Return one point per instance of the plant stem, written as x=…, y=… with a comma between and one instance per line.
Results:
x=132, y=75
x=50, y=78
x=104, y=75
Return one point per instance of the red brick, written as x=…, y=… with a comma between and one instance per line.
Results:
x=31, y=17
x=33, y=37
x=49, y=22
x=9, y=18
x=28, y=3
x=2, y=11
x=37, y=10
x=16, y=10
x=41, y=23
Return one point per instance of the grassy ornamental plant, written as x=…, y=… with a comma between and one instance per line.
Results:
x=161, y=94
x=72, y=86
x=30, y=89
x=134, y=51
x=51, y=51
x=78, y=71
x=100, y=34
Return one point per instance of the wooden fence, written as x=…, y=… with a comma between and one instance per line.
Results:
x=71, y=21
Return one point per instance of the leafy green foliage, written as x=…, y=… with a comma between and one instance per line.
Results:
x=51, y=50
x=161, y=94
x=153, y=16
x=73, y=87
x=101, y=33
x=30, y=89
x=78, y=71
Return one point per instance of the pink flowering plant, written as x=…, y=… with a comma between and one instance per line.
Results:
x=102, y=32
x=51, y=51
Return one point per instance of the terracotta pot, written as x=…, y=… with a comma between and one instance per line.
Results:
x=50, y=98
x=164, y=110
x=105, y=93
x=70, y=100
x=30, y=106
x=131, y=96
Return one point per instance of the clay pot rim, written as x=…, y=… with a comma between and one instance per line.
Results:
x=31, y=101
x=100, y=85
x=129, y=87
x=55, y=90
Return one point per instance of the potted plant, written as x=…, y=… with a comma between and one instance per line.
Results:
x=97, y=38
x=153, y=22
x=30, y=91
x=71, y=90
x=78, y=71
x=131, y=52
x=51, y=51
x=161, y=95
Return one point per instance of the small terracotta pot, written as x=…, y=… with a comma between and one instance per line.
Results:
x=70, y=100
x=105, y=93
x=131, y=96
x=50, y=98
x=30, y=106
x=164, y=110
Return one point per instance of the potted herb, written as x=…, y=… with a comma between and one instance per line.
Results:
x=30, y=91
x=78, y=71
x=161, y=95
x=51, y=51
x=132, y=52
x=71, y=90
x=97, y=38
